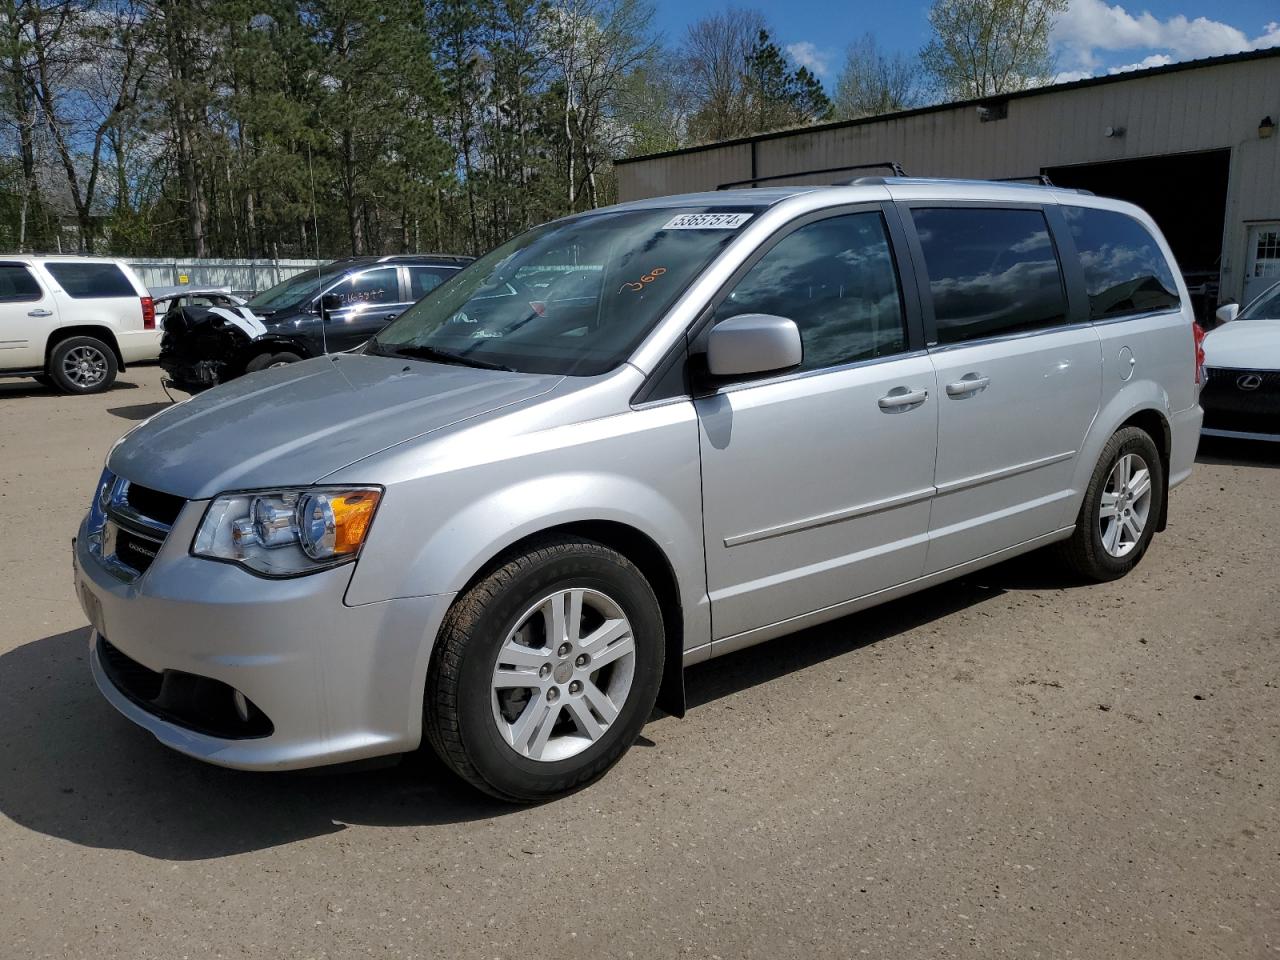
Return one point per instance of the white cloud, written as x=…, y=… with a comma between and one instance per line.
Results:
x=1155, y=60
x=806, y=54
x=1090, y=28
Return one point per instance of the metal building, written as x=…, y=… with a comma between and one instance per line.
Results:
x=1194, y=143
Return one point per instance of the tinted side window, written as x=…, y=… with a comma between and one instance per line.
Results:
x=422, y=280
x=372, y=287
x=1124, y=270
x=990, y=271
x=836, y=279
x=17, y=284
x=85, y=281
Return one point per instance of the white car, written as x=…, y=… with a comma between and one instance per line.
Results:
x=73, y=322
x=1241, y=398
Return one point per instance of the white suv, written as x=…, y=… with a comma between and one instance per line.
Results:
x=73, y=322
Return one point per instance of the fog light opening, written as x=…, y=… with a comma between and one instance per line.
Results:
x=241, y=704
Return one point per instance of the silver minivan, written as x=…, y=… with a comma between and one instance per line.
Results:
x=628, y=441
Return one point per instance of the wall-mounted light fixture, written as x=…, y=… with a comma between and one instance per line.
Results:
x=1266, y=128
x=993, y=110
x=1113, y=132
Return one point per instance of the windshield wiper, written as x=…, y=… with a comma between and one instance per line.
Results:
x=421, y=352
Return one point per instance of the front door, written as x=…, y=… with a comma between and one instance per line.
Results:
x=816, y=483
x=369, y=301
x=1018, y=384
x=28, y=315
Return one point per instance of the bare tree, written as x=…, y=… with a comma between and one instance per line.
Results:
x=982, y=48
x=88, y=67
x=716, y=51
x=873, y=82
x=20, y=97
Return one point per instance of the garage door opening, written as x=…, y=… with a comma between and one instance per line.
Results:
x=1186, y=194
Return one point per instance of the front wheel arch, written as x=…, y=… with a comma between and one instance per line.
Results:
x=653, y=563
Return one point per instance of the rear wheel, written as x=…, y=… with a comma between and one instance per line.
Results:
x=264, y=361
x=82, y=365
x=1121, y=508
x=545, y=671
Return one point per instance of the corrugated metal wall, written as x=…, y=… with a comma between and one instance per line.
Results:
x=247, y=276
x=1211, y=107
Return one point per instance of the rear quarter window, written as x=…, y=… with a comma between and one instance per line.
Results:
x=1125, y=271
x=87, y=281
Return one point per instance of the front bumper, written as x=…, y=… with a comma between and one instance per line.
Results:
x=1241, y=404
x=336, y=682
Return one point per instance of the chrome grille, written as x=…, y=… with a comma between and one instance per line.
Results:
x=137, y=523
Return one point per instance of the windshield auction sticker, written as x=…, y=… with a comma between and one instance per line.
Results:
x=707, y=221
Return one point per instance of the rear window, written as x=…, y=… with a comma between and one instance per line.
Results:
x=1125, y=271
x=991, y=271
x=17, y=284
x=422, y=280
x=85, y=281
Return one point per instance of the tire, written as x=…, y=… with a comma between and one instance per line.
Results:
x=476, y=710
x=82, y=365
x=264, y=361
x=1103, y=546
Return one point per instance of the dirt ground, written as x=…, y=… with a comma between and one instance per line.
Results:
x=1006, y=766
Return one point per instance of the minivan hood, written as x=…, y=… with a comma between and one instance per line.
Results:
x=1244, y=345
x=294, y=425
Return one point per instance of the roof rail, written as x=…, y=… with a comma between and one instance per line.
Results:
x=1037, y=178
x=1036, y=182
x=752, y=181
x=394, y=257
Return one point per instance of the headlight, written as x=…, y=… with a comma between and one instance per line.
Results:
x=101, y=498
x=284, y=533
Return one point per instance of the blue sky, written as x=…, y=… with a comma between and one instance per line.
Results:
x=1093, y=37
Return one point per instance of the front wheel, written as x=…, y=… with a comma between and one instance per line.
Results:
x=545, y=671
x=1121, y=508
x=265, y=361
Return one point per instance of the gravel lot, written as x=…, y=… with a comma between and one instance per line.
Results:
x=1010, y=765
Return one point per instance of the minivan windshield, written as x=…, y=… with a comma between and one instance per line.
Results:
x=573, y=297
x=295, y=290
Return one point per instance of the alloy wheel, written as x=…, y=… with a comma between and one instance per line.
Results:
x=1126, y=505
x=85, y=366
x=563, y=674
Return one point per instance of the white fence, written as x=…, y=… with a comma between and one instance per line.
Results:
x=238, y=275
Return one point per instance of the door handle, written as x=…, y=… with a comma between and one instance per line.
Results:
x=908, y=398
x=390, y=316
x=967, y=385
x=39, y=312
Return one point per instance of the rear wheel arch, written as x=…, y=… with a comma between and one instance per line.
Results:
x=1154, y=424
x=105, y=334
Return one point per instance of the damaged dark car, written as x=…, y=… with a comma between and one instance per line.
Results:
x=335, y=308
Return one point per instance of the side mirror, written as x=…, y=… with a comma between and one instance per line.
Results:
x=329, y=303
x=752, y=343
x=1227, y=312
